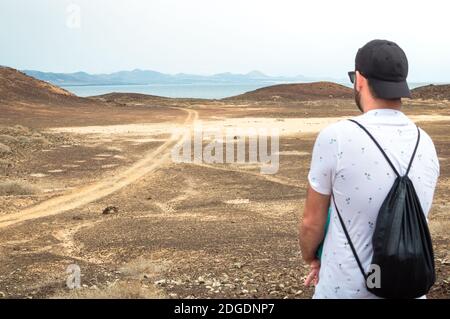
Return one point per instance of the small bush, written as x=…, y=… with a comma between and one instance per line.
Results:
x=9, y=188
x=24, y=140
x=14, y=130
x=5, y=163
x=7, y=139
x=4, y=149
x=119, y=290
x=39, y=140
x=20, y=128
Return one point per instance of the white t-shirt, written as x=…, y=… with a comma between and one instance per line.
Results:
x=348, y=162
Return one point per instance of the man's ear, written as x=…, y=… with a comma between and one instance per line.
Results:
x=360, y=82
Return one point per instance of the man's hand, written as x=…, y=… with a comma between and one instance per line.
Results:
x=313, y=276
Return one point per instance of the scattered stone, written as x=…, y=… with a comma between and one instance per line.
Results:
x=38, y=175
x=244, y=291
x=111, y=210
x=161, y=282
x=299, y=292
x=55, y=171
x=201, y=280
x=177, y=282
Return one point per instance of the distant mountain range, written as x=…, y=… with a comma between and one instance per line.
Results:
x=17, y=87
x=145, y=77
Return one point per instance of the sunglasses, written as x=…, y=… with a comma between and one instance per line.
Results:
x=352, y=76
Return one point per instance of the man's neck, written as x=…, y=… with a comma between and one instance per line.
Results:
x=383, y=104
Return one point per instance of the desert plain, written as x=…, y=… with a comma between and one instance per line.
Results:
x=91, y=182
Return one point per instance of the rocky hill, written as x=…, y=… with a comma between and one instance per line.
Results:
x=298, y=91
x=432, y=92
x=17, y=87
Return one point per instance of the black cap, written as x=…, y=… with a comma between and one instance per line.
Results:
x=385, y=64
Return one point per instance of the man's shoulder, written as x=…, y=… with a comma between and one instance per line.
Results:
x=426, y=137
x=336, y=129
x=430, y=148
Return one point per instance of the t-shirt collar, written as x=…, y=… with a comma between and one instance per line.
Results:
x=384, y=112
x=386, y=116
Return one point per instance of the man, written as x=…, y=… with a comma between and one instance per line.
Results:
x=347, y=164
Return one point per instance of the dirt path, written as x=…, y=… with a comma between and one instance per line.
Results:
x=93, y=192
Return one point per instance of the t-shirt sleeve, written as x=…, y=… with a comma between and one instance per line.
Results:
x=324, y=161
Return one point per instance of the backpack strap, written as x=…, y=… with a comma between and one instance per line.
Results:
x=379, y=146
x=349, y=239
x=415, y=150
x=384, y=153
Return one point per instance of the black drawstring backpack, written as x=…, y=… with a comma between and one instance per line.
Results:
x=402, y=247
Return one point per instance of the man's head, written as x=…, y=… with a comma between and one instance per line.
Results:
x=381, y=69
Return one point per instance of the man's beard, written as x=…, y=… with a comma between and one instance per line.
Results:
x=358, y=100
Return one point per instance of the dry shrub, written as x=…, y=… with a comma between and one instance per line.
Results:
x=7, y=139
x=119, y=290
x=4, y=149
x=8, y=188
x=24, y=140
x=20, y=128
x=39, y=140
x=14, y=130
x=5, y=163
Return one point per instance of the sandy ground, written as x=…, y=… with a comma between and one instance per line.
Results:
x=182, y=230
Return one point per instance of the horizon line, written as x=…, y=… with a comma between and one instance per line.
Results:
x=308, y=77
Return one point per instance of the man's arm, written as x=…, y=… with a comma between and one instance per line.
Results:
x=320, y=177
x=312, y=225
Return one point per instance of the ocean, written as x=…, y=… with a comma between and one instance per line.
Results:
x=202, y=91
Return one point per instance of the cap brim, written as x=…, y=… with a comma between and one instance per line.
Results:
x=390, y=90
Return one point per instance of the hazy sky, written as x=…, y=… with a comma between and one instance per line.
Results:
x=279, y=37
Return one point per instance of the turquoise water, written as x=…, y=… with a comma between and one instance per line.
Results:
x=205, y=91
